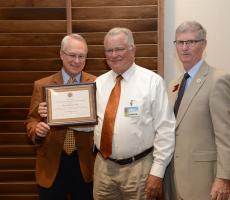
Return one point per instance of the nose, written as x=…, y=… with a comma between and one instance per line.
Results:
x=76, y=59
x=185, y=46
x=114, y=53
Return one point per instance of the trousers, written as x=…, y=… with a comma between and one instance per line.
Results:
x=69, y=183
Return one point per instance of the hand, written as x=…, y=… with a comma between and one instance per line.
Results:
x=42, y=129
x=154, y=187
x=220, y=189
x=42, y=109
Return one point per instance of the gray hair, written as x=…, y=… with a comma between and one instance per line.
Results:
x=118, y=30
x=73, y=36
x=192, y=26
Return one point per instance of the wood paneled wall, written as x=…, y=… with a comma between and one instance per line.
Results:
x=30, y=36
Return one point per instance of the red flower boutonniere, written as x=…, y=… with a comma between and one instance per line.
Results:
x=176, y=87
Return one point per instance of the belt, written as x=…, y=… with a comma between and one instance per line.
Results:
x=131, y=159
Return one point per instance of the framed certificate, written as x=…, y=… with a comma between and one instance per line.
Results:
x=71, y=104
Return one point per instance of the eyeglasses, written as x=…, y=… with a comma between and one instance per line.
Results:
x=188, y=43
x=115, y=50
x=73, y=56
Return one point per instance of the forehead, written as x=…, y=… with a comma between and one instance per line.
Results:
x=186, y=36
x=115, y=40
x=75, y=45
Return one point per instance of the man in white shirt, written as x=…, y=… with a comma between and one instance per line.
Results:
x=143, y=137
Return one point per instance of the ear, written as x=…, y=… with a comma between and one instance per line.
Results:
x=205, y=43
x=61, y=54
x=133, y=48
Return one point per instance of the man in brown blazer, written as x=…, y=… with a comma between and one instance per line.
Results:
x=201, y=162
x=59, y=174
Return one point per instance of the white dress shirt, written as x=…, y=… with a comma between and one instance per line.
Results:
x=144, y=117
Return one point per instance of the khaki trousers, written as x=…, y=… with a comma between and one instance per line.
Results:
x=121, y=182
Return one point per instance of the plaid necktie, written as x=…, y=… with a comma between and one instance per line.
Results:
x=69, y=143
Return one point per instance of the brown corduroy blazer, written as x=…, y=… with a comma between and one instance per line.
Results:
x=49, y=151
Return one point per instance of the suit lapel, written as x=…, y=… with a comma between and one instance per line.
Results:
x=174, y=88
x=84, y=77
x=57, y=78
x=191, y=91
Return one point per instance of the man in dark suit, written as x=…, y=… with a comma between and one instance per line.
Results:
x=59, y=174
x=202, y=154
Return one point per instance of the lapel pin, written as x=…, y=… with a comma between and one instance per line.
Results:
x=198, y=80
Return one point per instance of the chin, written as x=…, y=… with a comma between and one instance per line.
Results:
x=117, y=69
x=75, y=73
x=185, y=60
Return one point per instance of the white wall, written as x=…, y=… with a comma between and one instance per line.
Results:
x=214, y=15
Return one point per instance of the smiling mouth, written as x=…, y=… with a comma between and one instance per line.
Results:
x=75, y=66
x=116, y=60
x=185, y=54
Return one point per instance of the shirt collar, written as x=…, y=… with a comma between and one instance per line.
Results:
x=193, y=71
x=66, y=76
x=127, y=74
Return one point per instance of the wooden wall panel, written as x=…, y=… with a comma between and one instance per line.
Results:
x=30, y=36
x=32, y=13
x=118, y=12
x=11, y=151
x=94, y=16
x=98, y=3
x=22, y=76
x=14, y=139
x=30, y=39
x=12, y=126
x=32, y=3
x=15, y=89
x=30, y=64
x=14, y=102
x=93, y=38
x=95, y=51
x=18, y=187
x=30, y=26
x=19, y=175
x=106, y=24
x=16, y=113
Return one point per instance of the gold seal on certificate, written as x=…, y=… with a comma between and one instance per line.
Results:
x=71, y=104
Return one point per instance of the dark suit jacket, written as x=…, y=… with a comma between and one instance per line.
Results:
x=49, y=152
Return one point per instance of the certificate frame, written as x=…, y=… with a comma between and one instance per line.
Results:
x=71, y=104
